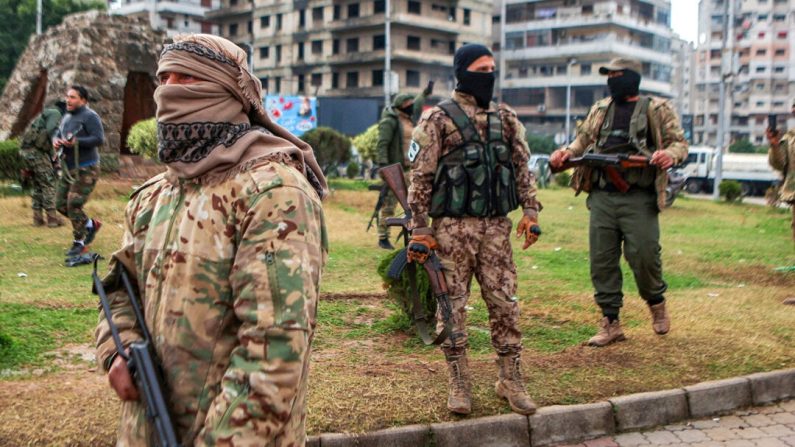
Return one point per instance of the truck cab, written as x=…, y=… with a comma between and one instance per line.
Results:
x=752, y=171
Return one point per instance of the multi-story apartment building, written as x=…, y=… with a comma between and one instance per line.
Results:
x=174, y=16
x=338, y=47
x=762, y=39
x=683, y=65
x=552, y=44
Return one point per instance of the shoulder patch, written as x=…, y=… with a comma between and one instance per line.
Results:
x=414, y=150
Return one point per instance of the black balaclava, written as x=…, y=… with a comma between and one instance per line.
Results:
x=624, y=86
x=480, y=85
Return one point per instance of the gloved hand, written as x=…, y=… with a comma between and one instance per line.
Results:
x=528, y=226
x=420, y=246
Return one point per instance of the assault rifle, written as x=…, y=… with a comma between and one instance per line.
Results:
x=610, y=163
x=393, y=178
x=142, y=363
x=383, y=191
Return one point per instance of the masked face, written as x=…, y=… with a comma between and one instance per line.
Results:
x=408, y=109
x=623, y=86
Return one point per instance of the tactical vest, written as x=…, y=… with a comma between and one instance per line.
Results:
x=475, y=179
x=637, y=136
x=36, y=136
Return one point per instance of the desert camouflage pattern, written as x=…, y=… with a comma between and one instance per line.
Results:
x=667, y=134
x=481, y=247
x=229, y=271
x=43, y=180
x=71, y=197
x=436, y=134
x=782, y=159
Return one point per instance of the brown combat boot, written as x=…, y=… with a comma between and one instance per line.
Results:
x=509, y=385
x=53, y=220
x=38, y=218
x=660, y=321
x=609, y=333
x=459, y=399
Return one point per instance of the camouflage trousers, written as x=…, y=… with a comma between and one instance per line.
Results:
x=71, y=197
x=481, y=247
x=387, y=210
x=43, y=180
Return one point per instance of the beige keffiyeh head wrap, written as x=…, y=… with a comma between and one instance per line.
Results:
x=214, y=125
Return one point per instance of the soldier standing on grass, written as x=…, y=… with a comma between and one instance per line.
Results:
x=628, y=218
x=394, y=135
x=37, y=153
x=78, y=139
x=469, y=170
x=226, y=248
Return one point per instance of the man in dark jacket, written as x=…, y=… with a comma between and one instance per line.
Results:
x=394, y=135
x=77, y=142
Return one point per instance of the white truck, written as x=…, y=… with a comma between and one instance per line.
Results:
x=751, y=170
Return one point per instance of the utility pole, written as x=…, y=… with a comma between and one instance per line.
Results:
x=569, y=63
x=727, y=71
x=502, y=50
x=387, y=53
x=38, y=17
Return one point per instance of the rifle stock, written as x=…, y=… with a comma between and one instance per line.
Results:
x=393, y=177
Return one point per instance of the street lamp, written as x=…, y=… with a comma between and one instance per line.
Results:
x=571, y=62
x=387, y=53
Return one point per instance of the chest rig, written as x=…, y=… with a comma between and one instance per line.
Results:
x=476, y=178
x=639, y=141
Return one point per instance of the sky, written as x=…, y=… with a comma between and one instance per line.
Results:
x=684, y=19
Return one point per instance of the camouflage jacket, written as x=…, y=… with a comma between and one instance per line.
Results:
x=436, y=135
x=39, y=133
x=666, y=132
x=228, y=270
x=782, y=159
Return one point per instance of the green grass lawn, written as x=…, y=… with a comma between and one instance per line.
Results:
x=369, y=371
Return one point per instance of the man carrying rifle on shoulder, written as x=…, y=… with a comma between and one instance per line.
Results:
x=225, y=250
x=625, y=201
x=469, y=170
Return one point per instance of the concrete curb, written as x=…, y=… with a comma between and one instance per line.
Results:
x=560, y=424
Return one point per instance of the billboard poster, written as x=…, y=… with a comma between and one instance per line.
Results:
x=687, y=127
x=297, y=114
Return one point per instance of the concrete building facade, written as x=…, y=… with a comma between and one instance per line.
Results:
x=174, y=16
x=337, y=47
x=762, y=72
x=551, y=44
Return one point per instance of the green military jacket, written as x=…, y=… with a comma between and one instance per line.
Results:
x=38, y=134
x=391, y=146
x=228, y=270
x=666, y=132
x=782, y=159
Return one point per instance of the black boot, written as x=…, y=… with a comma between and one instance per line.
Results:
x=385, y=244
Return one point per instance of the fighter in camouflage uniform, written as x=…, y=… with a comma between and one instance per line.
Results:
x=36, y=151
x=629, y=123
x=468, y=187
x=781, y=156
x=227, y=248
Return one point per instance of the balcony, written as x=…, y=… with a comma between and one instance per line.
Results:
x=242, y=8
x=609, y=45
x=595, y=80
x=582, y=21
x=188, y=8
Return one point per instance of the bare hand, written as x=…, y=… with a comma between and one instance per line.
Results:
x=57, y=143
x=773, y=136
x=662, y=160
x=559, y=157
x=69, y=143
x=121, y=381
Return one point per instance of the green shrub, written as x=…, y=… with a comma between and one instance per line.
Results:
x=731, y=190
x=331, y=147
x=398, y=290
x=352, y=170
x=563, y=178
x=10, y=161
x=142, y=138
x=541, y=144
x=109, y=163
x=366, y=142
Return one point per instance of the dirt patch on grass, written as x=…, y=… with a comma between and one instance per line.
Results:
x=336, y=296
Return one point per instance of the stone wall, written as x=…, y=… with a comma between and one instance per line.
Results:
x=93, y=49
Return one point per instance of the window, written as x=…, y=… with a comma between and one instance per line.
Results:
x=467, y=16
x=782, y=35
x=302, y=18
x=353, y=10
x=412, y=78
x=780, y=52
x=317, y=79
x=451, y=14
x=778, y=103
x=352, y=45
x=300, y=51
x=278, y=54
x=585, y=69
x=451, y=47
x=317, y=46
x=761, y=35
x=337, y=13
x=301, y=79
x=762, y=17
x=264, y=52
x=233, y=29
x=277, y=80
x=378, y=78
x=335, y=46
x=761, y=52
x=278, y=22
x=170, y=23
x=778, y=69
x=413, y=43
x=264, y=82
x=415, y=7
x=760, y=103
x=379, y=42
x=317, y=15
x=760, y=69
x=379, y=6
x=779, y=17
x=232, y=2
x=265, y=21
x=352, y=79
x=335, y=80
x=250, y=27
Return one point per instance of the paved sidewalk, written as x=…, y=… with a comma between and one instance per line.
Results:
x=767, y=426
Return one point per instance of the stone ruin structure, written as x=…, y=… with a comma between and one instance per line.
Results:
x=114, y=57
